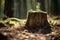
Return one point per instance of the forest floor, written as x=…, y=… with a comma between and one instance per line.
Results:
x=18, y=32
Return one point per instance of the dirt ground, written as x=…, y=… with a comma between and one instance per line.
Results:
x=19, y=32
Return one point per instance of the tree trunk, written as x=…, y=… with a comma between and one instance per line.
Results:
x=37, y=21
x=53, y=7
x=8, y=9
x=0, y=5
x=0, y=8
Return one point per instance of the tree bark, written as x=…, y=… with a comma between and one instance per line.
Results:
x=8, y=9
x=0, y=6
x=37, y=21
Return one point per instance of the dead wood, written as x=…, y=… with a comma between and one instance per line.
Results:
x=37, y=21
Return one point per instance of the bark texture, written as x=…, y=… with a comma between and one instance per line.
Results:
x=37, y=21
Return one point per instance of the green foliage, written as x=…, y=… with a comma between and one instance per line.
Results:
x=10, y=21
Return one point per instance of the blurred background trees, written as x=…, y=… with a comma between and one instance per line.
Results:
x=8, y=8
x=1, y=7
x=19, y=8
x=53, y=7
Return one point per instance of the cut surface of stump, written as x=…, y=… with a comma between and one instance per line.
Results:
x=37, y=21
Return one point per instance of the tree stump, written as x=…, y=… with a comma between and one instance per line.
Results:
x=37, y=21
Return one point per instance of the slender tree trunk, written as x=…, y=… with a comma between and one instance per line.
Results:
x=0, y=3
x=8, y=9
x=56, y=9
x=20, y=7
x=59, y=7
x=52, y=7
x=0, y=6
